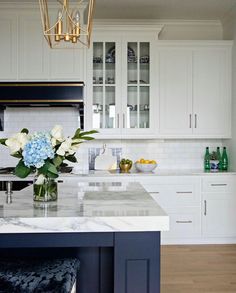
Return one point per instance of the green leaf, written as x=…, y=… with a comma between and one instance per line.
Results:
x=25, y=130
x=52, y=169
x=57, y=161
x=48, y=169
x=88, y=133
x=17, y=155
x=87, y=138
x=77, y=133
x=71, y=158
x=3, y=141
x=21, y=170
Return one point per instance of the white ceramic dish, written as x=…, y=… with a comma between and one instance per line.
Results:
x=145, y=167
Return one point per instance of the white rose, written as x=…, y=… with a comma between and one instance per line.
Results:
x=40, y=180
x=17, y=142
x=13, y=145
x=22, y=139
x=64, y=147
x=53, y=141
x=57, y=133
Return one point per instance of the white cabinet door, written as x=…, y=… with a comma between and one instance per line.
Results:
x=211, y=91
x=33, y=54
x=8, y=47
x=65, y=64
x=175, y=82
x=219, y=217
x=139, y=98
x=103, y=107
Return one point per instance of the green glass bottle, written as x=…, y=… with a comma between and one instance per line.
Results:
x=219, y=158
x=224, y=160
x=207, y=165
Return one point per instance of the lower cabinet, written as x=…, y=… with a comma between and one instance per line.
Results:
x=219, y=207
x=219, y=215
x=202, y=209
x=180, y=197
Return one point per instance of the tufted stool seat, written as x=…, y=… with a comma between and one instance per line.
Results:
x=38, y=276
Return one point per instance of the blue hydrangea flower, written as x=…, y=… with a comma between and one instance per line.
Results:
x=37, y=150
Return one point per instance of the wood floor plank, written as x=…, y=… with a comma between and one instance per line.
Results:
x=198, y=269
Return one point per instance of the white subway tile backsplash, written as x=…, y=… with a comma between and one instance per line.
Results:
x=170, y=154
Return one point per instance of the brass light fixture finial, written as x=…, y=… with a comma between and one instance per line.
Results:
x=67, y=23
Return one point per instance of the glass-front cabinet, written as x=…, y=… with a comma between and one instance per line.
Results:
x=122, y=88
x=137, y=85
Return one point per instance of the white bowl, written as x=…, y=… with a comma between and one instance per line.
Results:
x=145, y=167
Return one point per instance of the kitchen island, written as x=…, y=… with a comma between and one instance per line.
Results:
x=113, y=228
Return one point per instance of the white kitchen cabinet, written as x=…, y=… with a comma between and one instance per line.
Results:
x=211, y=91
x=33, y=51
x=218, y=207
x=8, y=48
x=25, y=54
x=195, y=89
x=121, y=78
x=175, y=68
x=180, y=197
x=67, y=64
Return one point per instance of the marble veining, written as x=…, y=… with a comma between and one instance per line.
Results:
x=84, y=207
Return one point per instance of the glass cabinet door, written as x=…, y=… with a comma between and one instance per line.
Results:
x=104, y=85
x=138, y=85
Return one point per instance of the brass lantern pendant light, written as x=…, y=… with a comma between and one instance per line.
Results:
x=67, y=23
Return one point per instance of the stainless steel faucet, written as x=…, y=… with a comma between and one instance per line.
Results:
x=9, y=192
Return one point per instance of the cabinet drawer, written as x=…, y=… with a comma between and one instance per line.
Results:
x=184, y=223
x=219, y=184
x=176, y=195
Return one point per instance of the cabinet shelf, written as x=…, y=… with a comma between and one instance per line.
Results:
x=138, y=84
x=102, y=84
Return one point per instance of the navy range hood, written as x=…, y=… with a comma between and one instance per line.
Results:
x=39, y=94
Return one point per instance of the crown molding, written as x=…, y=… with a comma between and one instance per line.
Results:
x=143, y=22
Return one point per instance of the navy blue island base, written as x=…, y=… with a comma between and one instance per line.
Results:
x=111, y=262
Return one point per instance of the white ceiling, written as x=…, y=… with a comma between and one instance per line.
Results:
x=164, y=9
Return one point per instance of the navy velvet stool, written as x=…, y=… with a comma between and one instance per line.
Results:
x=38, y=276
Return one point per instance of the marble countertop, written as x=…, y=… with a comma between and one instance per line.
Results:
x=163, y=172
x=84, y=207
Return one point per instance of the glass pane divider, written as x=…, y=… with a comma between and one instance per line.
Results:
x=138, y=85
x=104, y=89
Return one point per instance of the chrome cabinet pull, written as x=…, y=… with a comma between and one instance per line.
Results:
x=123, y=120
x=184, y=192
x=205, y=207
x=184, y=222
x=118, y=121
x=218, y=184
x=190, y=120
x=195, y=120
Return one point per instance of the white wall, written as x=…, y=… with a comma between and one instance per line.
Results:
x=170, y=154
x=229, y=33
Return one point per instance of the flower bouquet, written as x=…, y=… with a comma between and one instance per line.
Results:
x=43, y=153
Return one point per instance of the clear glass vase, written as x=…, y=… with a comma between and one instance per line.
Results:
x=45, y=191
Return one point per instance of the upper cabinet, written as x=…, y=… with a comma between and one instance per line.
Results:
x=8, y=47
x=33, y=54
x=121, y=92
x=25, y=54
x=212, y=91
x=195, y=89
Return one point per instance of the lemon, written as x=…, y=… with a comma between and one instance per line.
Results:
x=146, y=162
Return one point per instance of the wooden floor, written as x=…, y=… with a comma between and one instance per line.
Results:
x=198, y=269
